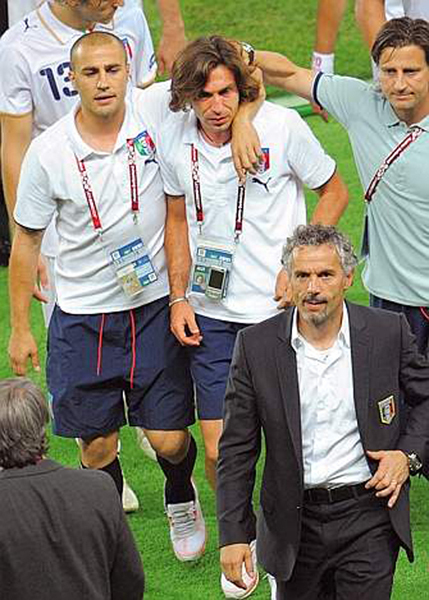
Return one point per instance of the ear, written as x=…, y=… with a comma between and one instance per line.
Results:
x=349, y=280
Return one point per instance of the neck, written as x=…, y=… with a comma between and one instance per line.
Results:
x=321, y=336
x=218, y=138
x=70, y=17
x=97, y=132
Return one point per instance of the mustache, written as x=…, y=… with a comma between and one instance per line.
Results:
x=314, y=298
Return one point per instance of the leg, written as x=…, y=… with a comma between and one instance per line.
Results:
x=211, y=432
x=161, y=403
x=102, y=453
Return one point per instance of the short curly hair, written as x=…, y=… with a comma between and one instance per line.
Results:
x=194, y=64
x=318, y=235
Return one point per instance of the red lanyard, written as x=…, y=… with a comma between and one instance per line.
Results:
x=198, y=200
x=396, y=153
x=87, y=189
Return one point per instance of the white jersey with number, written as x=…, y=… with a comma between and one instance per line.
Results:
x=34, y=55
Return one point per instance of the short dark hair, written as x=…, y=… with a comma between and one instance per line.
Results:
x=23, y=418
x=194, y=64
x=96, y=38
x=319, y=235
x=401, y=32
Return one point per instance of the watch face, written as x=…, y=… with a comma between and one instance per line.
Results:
x=414, y=463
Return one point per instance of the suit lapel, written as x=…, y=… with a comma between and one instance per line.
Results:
x=360, y=350
x=288, y=377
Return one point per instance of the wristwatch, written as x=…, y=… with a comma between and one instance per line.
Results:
x=250, y=51
x=414, y=463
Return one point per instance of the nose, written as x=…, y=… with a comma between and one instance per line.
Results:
x=102, y=83
x=313, y=284
x=400, y=82
x=217, y=102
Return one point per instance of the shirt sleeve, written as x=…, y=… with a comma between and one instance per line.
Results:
x=172, y=185
x=35, y=204
x=127, y=576
x=339, y=95
x=309, y=161
x=15, y=82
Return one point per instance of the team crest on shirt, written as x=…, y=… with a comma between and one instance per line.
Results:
x=387, y=410
x=128, y=48
x=144, y=144
x=264, y=165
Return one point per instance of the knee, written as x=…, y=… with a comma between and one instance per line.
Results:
x=98, y=452
x=212, y=454
x=171, y=445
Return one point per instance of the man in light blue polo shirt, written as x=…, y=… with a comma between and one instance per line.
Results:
x=377, y=121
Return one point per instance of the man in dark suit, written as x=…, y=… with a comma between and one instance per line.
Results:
x=323, y=381
x=63, y=532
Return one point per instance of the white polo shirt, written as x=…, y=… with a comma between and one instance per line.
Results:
x=274, y=203
x=332, y=449
x=34, y=55
x=35, y=65
x=50, y=185
x=19, y=8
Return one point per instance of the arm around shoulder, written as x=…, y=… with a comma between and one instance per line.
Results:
x=279, y=71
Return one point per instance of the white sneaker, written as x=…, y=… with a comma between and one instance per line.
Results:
x=144, y=444
x=273, y=586
x=187, y=529
x=130, y=502
x=233, y=591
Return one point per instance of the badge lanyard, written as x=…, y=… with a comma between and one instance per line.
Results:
x=89, y=195
x=198, y=200
x=395, y=154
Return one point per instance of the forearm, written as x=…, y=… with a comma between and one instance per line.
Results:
x=283, y=73
x=333, y=201
x=171, y=17
x=15, y=139
x=370, y=17
x=177, y=251
x=22, y=276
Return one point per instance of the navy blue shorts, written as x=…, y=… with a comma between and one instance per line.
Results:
x=98, y=363
x=417, y=317
x=210, y=364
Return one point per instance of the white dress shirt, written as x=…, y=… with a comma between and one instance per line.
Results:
x=332, y=449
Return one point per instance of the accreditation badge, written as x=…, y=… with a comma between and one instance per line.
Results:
x=212, y=268
x=133, y=267
x=387, y=410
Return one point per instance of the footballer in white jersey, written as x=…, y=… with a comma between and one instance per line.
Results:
x=34, y=54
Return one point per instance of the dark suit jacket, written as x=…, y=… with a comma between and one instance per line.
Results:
x=263, y=394
x=63, y=534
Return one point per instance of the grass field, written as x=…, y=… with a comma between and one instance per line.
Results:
x=285, y=26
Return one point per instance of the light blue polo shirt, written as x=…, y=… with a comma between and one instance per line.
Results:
x=397, y=268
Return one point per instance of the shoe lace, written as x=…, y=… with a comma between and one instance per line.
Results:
x=183, y=520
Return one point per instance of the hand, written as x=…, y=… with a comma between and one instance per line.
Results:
x=245, y=147
x=184, y=325
x=42, y=275
x=392, y=472
x=320, y=111
x=21, y=348
x=232, y=559
x=171, y=43
x=282, y=292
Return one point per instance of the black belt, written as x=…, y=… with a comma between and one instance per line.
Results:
x=330, y=495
